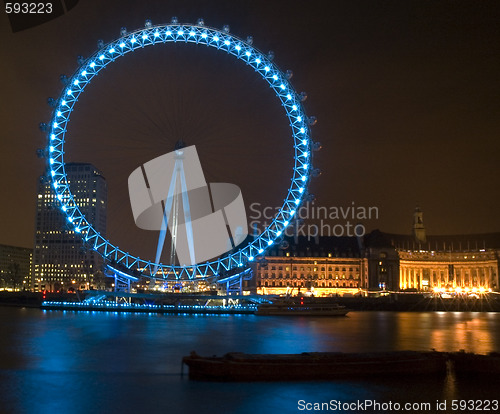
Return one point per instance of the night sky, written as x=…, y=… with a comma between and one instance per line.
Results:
x=407, y=96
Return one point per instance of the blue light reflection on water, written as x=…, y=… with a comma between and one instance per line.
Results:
x=61, y=362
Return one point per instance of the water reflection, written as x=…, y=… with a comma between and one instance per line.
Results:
x=471, y=332
x=49, y=360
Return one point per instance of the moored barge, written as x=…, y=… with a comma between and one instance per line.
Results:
x=466, y=363
x=237, y=366
x=294, y=309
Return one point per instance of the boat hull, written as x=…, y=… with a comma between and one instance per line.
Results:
x=295, y=309
x=313, y=366
x=467, y=364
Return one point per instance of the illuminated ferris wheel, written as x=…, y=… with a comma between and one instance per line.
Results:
x=197, y=34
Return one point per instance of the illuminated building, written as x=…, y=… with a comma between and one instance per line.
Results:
x=383, y=263
x=60, y=259
x=15, y=267
x=322, y=266
x=462, y=270
x=460, y=264
x=378, y=262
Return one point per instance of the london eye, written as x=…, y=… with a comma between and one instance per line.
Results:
x=203, y=36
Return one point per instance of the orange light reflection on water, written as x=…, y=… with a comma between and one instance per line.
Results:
x=471, y=335
x=446, y=332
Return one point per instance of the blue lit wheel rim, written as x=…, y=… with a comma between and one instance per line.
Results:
x=181, y=33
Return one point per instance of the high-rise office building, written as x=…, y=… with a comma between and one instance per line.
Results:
x=61, y=261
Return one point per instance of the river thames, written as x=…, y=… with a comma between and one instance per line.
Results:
x=105, y=362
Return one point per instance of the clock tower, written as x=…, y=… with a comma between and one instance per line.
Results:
x=418, y=226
